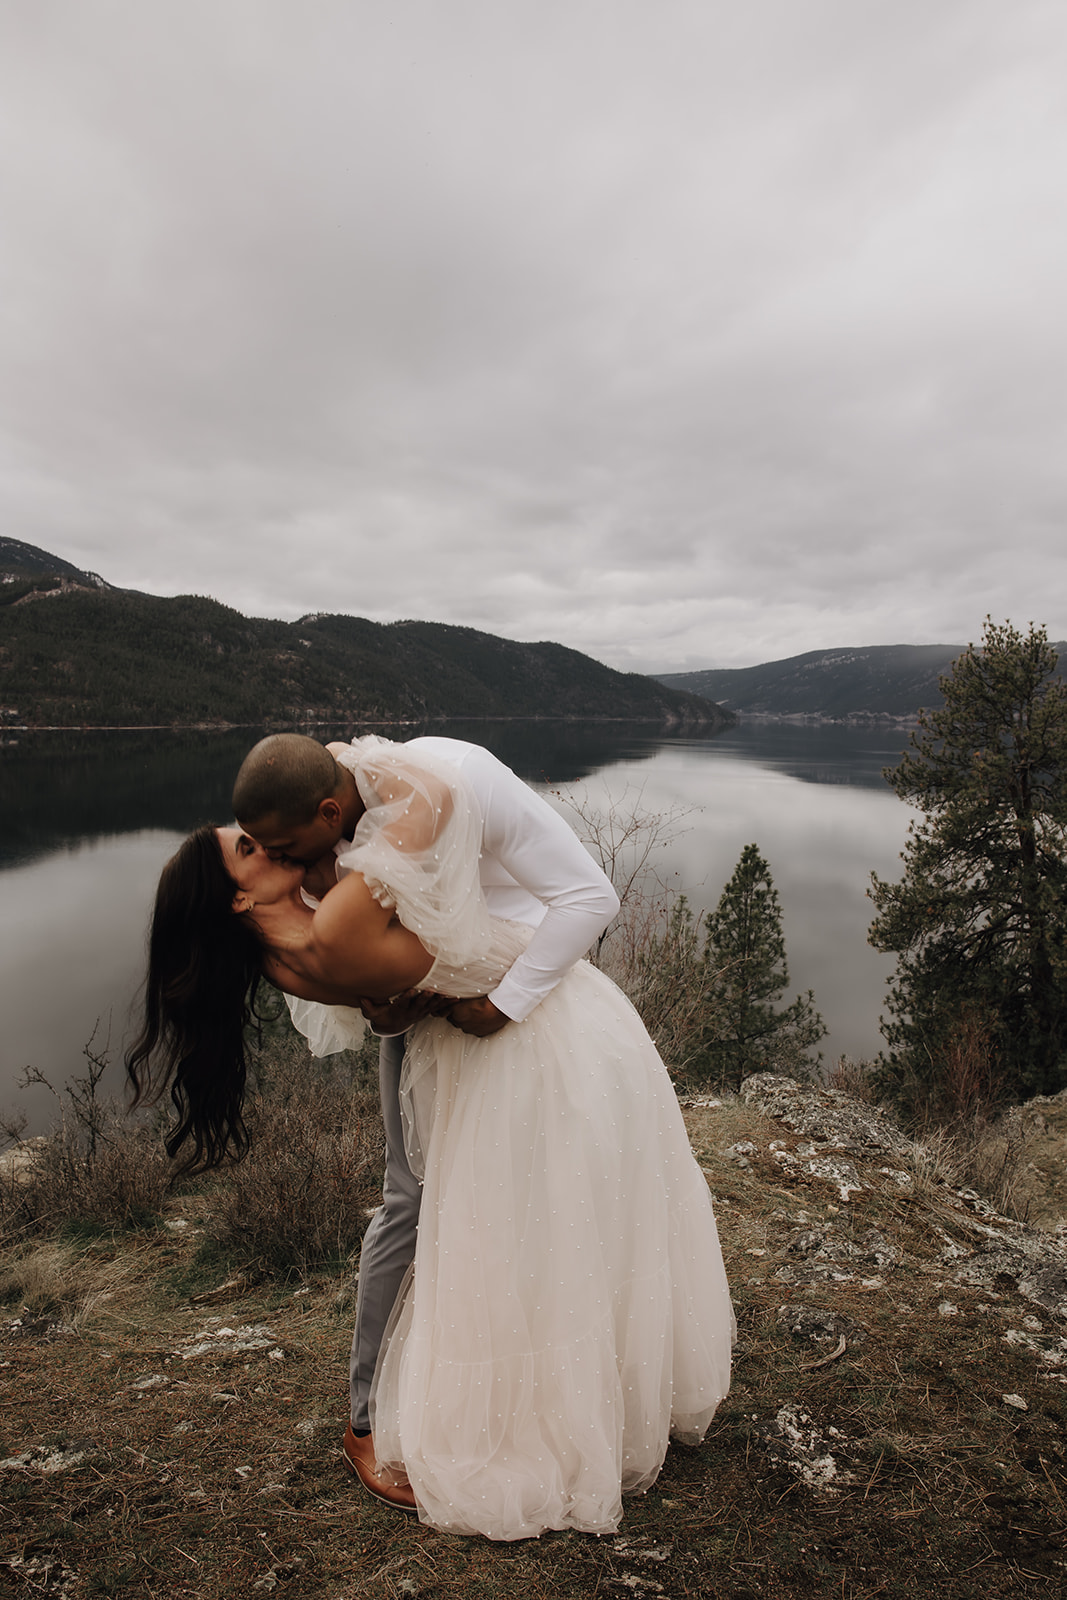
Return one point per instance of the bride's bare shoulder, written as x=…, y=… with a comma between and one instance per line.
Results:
x=359, y=943
x=348, y=907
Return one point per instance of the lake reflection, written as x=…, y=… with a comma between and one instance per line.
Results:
x=90, y=818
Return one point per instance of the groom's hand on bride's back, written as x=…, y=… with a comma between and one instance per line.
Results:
x=397, y=1015
x=479, y=1017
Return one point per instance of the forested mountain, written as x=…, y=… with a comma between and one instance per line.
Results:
x=76, y=652
x=25, y=567
x=892, y=680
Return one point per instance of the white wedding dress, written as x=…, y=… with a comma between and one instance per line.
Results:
x=568, y=1309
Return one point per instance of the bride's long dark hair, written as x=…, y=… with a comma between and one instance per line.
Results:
x=204, y=967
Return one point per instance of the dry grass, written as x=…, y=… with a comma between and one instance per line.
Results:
x=298, y=1200
x=989, y=1157
x=113, y=1173
x=853, y=1077
x=41, y=1279
x=301, y=1196
x=60, y=1284
x=969, y=1141
x=217, y=1474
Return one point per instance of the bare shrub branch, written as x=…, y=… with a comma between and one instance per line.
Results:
x=95, y=1164
x=313, y=1172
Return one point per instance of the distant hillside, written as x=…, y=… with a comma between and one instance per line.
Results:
x=76, y=652
x=893, y=680
x=25, y=567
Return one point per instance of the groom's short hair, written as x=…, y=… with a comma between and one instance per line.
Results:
x=286, y=775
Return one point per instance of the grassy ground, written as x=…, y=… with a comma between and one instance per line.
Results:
x=171, y=1430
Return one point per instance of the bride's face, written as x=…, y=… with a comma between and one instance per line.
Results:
x=262, y=881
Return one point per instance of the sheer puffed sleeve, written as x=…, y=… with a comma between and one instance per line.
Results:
x=417, y=845
x=327, y=1029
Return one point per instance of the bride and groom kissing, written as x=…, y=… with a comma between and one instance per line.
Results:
x=541, y=1300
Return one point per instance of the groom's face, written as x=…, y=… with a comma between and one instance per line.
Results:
x=305, y=842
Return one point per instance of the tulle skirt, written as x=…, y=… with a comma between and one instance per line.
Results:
x=568, y=1309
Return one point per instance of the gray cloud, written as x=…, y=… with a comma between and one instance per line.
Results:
x=690, y=334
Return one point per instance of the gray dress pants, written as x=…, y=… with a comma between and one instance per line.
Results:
x=389, y=1242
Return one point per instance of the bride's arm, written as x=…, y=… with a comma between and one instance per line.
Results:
x=355, y=947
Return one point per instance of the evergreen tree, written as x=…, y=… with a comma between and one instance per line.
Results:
x=979, y=919
x=745, y=949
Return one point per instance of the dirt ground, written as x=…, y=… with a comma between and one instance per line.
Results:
x=897, y=1424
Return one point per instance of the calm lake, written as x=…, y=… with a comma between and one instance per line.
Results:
x=90, y=818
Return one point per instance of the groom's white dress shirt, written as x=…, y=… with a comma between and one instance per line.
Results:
x=534, y=869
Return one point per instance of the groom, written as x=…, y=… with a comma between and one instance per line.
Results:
x=298, y=802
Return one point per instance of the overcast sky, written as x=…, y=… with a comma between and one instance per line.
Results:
x=684, y=332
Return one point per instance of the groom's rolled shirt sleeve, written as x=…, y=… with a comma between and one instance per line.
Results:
x=538, y=850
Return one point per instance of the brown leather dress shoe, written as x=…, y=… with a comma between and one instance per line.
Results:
x=359, y=1458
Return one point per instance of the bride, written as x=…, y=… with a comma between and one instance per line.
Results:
x=568, y=1310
